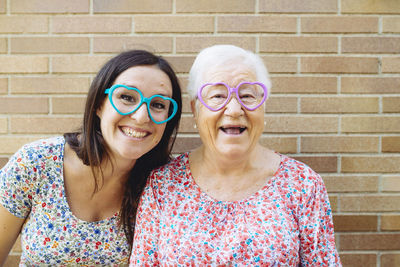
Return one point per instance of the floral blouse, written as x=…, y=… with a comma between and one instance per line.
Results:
x=286, y=223
x=32, y=187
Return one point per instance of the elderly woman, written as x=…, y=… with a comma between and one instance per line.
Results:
x=233, y=201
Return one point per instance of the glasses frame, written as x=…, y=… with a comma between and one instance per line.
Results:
x=230, y=91
x=143, y=99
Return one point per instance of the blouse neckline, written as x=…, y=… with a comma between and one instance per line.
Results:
x=209, y=198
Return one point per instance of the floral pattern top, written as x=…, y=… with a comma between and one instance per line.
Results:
x=32, y=187
x=286, y=223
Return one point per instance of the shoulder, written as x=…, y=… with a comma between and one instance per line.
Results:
x=296, y=176
x=44, y=147
x=175, y=169
x=173, y=177
x=38, y=151
x=35, y=158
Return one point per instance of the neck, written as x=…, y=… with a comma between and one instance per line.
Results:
x=116, y=170
x=229, y=165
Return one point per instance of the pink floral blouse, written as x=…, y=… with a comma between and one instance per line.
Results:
x=286, y=223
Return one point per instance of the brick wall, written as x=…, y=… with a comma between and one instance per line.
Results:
x=335, y=101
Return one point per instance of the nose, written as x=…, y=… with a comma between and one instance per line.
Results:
x=141, y=115
x=233, y=107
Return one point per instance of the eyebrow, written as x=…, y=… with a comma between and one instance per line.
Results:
x=134, y=86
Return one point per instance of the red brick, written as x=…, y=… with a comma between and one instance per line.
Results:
x=132, y=6
x=49, y=45
x=10, y=144
x=370, y=241
x=3, y=5
x=194, y=44
x=20, y=105
x=68, y=105
x=334, y=203
x=3, y=161
x=78, y=64
x=390, y=222
x=320, y=164
x=370, y=85
x=220, y=6
x=371, y=164
x=359, y=260
x=339, y=65
x=283, y=104
x=186, y=104
x=3, y=85
x=355, y=223
x=180, y=63
x=288, y=6
x=391, y=65
x=339, y=144
x=3, y=45
x=351, y=184
x=115, y=44
x=391, y=24
x=391, y=104
x=390, y=260
x=370, y=45
x=49, y=85
x=48, y=125
x=280, y=144
x=24, y=24
x=369, y=203
x=301, y=124
x=339, y=104
x=3, y=125
x=186, y=143
x=49, y=6
x=174, y=24
x=187, y=125
x=95, y=24
x=370, y=6
x=298, y=44
x=280, y=64
x=24, y=64
x=371, y=124
x=256, y=24
x=304, y=85
x=339, y=24
x=391, y=184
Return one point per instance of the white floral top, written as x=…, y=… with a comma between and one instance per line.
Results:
x=32, y=187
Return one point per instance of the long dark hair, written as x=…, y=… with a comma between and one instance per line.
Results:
x=88, y=142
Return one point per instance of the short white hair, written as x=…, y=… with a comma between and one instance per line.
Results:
x=218, y=55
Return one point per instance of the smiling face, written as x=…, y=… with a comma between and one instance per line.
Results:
x=131, y=136
x=232, y=131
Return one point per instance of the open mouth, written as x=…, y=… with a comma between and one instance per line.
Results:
x=132, y=133
x=233, y=130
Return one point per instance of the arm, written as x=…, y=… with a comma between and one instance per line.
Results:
x=10, y=227
x=15, y=203
x=317, y=240
x=147, y=230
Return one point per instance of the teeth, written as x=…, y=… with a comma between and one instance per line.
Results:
x=133, y=133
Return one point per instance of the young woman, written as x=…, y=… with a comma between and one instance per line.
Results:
x=73, y=198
